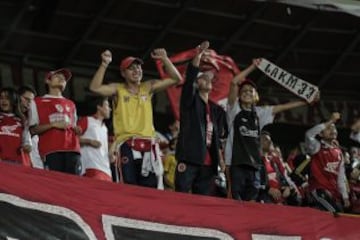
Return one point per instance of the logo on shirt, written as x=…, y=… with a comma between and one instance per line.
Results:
x=126, y=98
x=143, y=97
x=332, y=167
x=59, y=108
x=244, y=131
x=9, y=130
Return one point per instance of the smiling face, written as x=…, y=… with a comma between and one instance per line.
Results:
x=133, y=74
x=247, y=94
x=26, y=99
x=5, y=103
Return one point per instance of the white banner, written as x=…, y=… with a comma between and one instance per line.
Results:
x=294, y=84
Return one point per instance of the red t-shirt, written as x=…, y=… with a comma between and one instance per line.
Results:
x=11, y=131
x=325, y=166
x=57, y=140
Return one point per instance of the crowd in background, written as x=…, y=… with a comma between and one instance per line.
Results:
x=208, y=151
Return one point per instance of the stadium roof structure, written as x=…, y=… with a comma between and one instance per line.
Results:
x=318, y=41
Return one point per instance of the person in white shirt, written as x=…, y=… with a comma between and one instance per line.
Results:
x=27, y=94
x=94, y=141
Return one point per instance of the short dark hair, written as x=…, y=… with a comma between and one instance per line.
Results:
x=97, y=101
x=263, y=132
x=26, y=88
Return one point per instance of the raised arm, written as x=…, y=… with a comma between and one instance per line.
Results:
x=96, y=84
x=188, y=90
x=175, y=77
x=311, y=143
x=291, y=105
x=287, y=106
x=234, y=85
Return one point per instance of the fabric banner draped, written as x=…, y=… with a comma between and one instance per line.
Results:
x=38, y=204
x=225, y=70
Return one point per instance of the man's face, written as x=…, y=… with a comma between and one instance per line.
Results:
x=205, y=81
x=26, y=99
x=57, y=80
x=133, y=74
x=105, y=109
x=329, y=133
x=247, y=94
x=5, y=104
x=265, y=142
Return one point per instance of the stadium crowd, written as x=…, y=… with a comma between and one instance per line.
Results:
x=208, y=151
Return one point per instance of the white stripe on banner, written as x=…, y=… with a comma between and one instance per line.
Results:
x=294, y=84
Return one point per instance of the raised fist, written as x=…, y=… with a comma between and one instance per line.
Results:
x=256, y=61
x=159, y=53
x=204, y=45
x=106, y=57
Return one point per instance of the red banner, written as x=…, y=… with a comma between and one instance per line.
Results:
x=39, y=204
x=225, y=70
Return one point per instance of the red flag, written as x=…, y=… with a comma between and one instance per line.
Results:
x=223, y=66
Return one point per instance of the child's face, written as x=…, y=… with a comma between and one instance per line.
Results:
x=265, y=142
x=5, y=104
x=329, y=133
x=105, y=109
x=247, y=94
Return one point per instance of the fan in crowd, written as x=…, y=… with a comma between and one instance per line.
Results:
x=140, y=161
x=14, y=136
x=94, y=150
x=327, y=182
x=245, y=121
x=53, y=116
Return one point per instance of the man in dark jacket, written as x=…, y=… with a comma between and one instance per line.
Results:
x=198, y=149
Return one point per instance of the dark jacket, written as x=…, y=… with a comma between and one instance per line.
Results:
x=191, y=145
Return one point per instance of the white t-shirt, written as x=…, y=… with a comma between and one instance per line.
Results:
x=265, y=117
x=34, y=154
x=95, y=158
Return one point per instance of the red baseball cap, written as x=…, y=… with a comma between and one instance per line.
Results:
x=126, y=62
x=66, y=72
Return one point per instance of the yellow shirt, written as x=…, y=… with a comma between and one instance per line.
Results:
x=169, y=170
x=132, y=113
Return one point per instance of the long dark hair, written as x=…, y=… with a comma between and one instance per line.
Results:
x=14, y=100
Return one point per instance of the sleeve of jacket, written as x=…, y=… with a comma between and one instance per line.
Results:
x=189, y=90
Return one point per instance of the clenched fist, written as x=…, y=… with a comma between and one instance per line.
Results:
x=159, y=54
x=106, y=57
